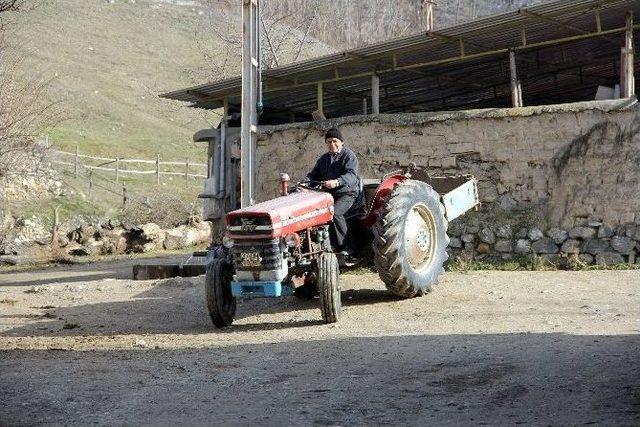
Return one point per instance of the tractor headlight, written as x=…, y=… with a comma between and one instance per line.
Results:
x=227, y=242
x=292, y=240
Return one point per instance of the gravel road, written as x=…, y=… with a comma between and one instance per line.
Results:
x=82, y=344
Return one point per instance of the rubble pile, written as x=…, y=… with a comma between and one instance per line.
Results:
x=107, y=238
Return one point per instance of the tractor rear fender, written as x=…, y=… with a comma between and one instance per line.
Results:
x=382, y=193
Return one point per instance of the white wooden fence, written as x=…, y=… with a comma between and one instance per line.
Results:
x=119, y=166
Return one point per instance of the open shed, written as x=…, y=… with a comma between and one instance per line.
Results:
x=553, y=53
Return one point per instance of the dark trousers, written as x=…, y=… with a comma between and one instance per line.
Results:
x=338, y=228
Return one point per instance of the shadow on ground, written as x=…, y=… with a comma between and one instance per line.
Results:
x=176, y=306
x=540, y=379
x=74, y=273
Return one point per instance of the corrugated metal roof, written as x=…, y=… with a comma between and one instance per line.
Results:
x=561, y=55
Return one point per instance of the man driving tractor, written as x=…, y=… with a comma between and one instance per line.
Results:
x=401, y=229
x=337, y=170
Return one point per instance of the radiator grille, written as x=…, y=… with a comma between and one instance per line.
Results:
x=268, y=250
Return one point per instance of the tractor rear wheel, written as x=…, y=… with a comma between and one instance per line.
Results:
x=411, y=239
x=328, y=282
x=220, y=302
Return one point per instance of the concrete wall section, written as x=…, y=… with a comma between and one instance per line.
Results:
x=572, y=162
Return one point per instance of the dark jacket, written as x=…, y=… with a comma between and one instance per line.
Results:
x=344, y=169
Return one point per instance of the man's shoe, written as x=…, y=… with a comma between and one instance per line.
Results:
x=346, y=259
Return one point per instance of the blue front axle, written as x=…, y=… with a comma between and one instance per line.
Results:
x=260, y=289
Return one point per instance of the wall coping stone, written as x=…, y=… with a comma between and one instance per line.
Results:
x=410, y=119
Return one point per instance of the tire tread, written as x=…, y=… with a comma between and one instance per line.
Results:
x=387, y=239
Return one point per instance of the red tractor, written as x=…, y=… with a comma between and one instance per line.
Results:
x=400, y=224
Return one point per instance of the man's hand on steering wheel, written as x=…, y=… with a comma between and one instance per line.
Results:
x=330, y=184
x=309, y=185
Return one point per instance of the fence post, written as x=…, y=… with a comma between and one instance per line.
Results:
x=158, y=169
x=124, y=195
x=90, y=180
x=76, y=164
x=117, y=169
x=56, y=226
x=186, y=170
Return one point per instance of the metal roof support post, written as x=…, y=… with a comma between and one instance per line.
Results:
x=623, y=72
x=427, y=8
x=627, y=79
x=249, y=118
x=222, y=158
x=375, y=94
x=319, y=98
x=516, y=88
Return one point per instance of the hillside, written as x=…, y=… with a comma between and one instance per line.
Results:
x=105, y=62
x=108, y=60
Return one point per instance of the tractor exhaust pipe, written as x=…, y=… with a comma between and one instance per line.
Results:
x=284, y=184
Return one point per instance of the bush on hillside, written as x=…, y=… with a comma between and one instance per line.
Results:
x=163, y=209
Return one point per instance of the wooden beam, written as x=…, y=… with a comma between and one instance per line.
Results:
x=563, y=24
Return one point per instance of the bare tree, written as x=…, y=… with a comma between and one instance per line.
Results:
x=285, y=33
x=294, y=29
x=10, y=5
x=25, y=112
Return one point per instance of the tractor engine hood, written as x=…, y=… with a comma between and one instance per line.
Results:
x=281, y=216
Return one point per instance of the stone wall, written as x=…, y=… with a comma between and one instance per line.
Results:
x=549, y=167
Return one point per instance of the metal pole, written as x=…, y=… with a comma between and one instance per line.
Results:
x=364, y=106
x=117, y=169
x=158, y=168
x=629, y=88
x=222, y=159
x=623, y=72
x=234, y=183
x=249, y=119
x=427, y=8
x=375, y=94
x=320, y=98
x=516, y=97
x=76, y=165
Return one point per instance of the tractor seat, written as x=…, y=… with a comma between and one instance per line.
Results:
x=367, y=191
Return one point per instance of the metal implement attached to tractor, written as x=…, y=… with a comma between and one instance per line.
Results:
x=399, y=224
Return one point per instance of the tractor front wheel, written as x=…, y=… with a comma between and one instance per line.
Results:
x=411, y=239
x=220, y=302
x=328, y=282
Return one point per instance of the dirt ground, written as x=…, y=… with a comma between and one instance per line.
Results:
x=85, y=345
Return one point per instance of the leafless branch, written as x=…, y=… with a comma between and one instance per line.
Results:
x=10, y=5
x=25, y=113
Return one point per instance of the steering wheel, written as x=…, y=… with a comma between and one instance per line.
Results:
x=310, y=185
